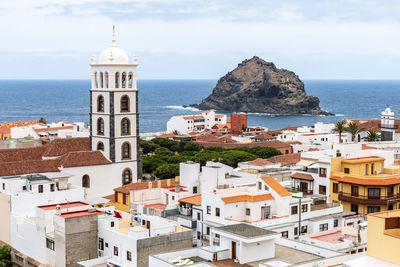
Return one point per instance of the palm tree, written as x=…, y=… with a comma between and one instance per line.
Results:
x=353, y=129
x=176, y=132
x=339, y=128
x=372, y=136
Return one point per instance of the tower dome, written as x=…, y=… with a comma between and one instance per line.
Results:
x=114, y=54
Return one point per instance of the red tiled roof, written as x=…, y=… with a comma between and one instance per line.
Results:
x=81, y=213
x=285, y=160
x=259, y=162
x=83, y=158
x=367, y=181
x=193, y=117
x=276, y=144
x=248, y=198
x=28, y=167
x=194, y=200
x=302, y=176
x=21, y=154
x=146, y=185
x=365, y=147
x=52, y=129
x=60, y=146
x=276, y=186
x=263, y=136
x=158, y=206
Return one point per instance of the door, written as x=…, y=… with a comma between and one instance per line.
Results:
x=233, y=250
x=303, y=187
x=265, y=212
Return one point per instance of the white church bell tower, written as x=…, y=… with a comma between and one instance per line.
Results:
x=114, y=110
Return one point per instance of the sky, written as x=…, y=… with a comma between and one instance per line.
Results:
x=202, y=39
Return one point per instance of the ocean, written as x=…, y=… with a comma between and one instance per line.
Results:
x=58, y=100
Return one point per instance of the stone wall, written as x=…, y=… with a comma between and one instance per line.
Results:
x=158, y=244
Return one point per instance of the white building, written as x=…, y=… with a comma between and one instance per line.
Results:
x=114, y=110
x=192, y=123
x=62, y=129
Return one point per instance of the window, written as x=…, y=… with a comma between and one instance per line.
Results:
x=100, y=146
x=86, y=181
x=354, y=208
x=194, y=189
x=322, y=189
x=125, y=126
x=372, y=168
x=198, y=216
x=373, y=209
x=130, y=79
x=374, y=193
x=50, y=244
x=40, y=189
x=285, y=234
x=304, y=229
x=125, y=199
x=173, y=197
x=335, y=223
x=294, y=210
x=390, y=191
x=266, y=188
x=323, y=227
x=112, y=224
x=101, y=243
x=100, y=103
x=126, y=176
x=128, y=256
x=125, y=103
x=100, y=126
x=52, y=187
x=259, y=186
x=217, y=212
x=106, y=245
x=115, y=251
x=4, y=186
x=126, y=151
x=295, y=232
x=117, y=80
x=346, y=170
x=209, y=210
x=24, y=187
x=106, y=79
x=304, y=208
x=335, y=188
x=286, y=151
x=247, y=212
x=198, y=235
x=322, y=172
x=123, y=80
x=366, y=169
x=354, y=191
x=208, y=230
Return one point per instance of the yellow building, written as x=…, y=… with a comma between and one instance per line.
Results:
x=122, y=195
x=364, y=185
x=383, y=236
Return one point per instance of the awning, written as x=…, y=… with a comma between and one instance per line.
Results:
x=305, y=163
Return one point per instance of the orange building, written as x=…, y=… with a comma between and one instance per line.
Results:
x=238, y=123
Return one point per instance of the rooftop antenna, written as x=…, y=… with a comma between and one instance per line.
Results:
x=113, y=35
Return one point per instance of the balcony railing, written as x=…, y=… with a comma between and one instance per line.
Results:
x=304, y=191
x=365, y=200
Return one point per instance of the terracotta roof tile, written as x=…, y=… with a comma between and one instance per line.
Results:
x=193, y=200
x=52, y=129
x=60, y=146
x=285, y=160
x=21, y=154
x=276, y=186
x=276, y=144
x=146, y=185
x=28, y=167
x=83, y=158
x=303, y=176
x=248, y=198
x=259, y=162
x=263, y=136
x=158, y=206
x=367, y=181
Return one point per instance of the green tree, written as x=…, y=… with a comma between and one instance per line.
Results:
x=176, y=132
x=213, y=149
x=147, y=146
x=5, y=256
x=43, y=120
x=232, y=157
x=150, y=164
x=340, y=128
x=264, y=152
x=372, y=136
x=167, y=171
x=190, y=146
x=163, y=151
x=353, y=130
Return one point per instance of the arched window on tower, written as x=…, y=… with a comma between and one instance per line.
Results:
x=124, y=103
x=130, y=79
x=106, y=79
x=101, y=80
x=126, y=177
x=100, y=126
x=117, y=80
x=96, y=82
x=123, y=80
x=100, y=146
x=126, y=150
x=100, y=103
x=125, y=126
x=85, y=181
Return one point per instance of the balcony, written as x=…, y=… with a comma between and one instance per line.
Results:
x=366, y=200
x=302, y=190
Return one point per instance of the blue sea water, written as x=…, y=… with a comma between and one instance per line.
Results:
x=58, y=100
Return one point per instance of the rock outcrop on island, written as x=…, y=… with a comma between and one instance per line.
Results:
x=260, y=87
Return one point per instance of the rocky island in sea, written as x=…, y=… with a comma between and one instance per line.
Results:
x=258, y=86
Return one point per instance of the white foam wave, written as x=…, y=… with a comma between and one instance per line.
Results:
x=182, y=107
